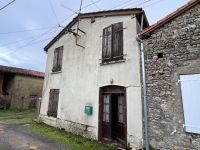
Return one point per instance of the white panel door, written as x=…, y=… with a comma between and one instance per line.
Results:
x=190, y=89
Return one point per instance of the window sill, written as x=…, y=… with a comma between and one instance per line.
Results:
x=52, y=117
x=56, y=72
x=112, y=62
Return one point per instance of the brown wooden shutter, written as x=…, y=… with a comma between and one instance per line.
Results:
x=117, y=41
x=55, y=60
x=60, y=55
x=107, y=44
x=55, y=102
x=51, y=99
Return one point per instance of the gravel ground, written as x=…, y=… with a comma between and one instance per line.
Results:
x=17, y=137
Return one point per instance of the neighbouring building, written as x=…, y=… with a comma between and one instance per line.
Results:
x=19, y=88
x=92, y=81
x=172, y=58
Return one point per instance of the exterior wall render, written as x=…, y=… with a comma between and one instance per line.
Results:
x=82, y=75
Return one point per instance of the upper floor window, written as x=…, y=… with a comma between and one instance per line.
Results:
x=112, y=46
x=57, y=61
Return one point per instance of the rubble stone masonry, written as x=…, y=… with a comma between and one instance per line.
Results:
x=171, y=50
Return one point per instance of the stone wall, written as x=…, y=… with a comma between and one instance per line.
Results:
x=22, y=88
x=171, y=50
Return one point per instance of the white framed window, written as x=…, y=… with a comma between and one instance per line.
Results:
x=190, y=91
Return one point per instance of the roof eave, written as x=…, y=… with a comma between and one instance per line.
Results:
x=20, y=71
x=147, y=31
x=89, y=15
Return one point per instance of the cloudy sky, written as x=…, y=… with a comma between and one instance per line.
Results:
x=26, y=26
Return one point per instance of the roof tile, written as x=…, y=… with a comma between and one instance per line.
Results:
x=170, y=17
x=14, y=70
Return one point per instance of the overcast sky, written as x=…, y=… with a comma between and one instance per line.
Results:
x=26, y=26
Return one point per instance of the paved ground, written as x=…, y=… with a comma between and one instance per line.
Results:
x=16, y=137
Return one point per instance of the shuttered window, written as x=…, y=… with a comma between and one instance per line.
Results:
x=190, y=90
x=53, y=102
x=57, y=61
x=112, y=43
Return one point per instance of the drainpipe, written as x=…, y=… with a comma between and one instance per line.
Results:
x=144, y=88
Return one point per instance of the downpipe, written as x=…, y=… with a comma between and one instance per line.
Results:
x=144, y=93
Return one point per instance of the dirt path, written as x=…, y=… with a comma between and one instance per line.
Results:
x=17, y=137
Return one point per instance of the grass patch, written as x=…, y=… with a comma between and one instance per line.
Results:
x=12, y=112
x=75, y=142
x=16, y=116
x=23, y=119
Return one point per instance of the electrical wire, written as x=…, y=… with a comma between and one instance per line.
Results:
x=153, y=3
x=95, y=5
x=26, y=45
x=32, y=41
x=25, y=39
x=84, y=7
x=64, y=6
x=95, y=2
x=52, y=8
x=7, y=5
x=29, y=30
x=139, y=4
x=21, y=48
x=121, y=4
x=61, y=22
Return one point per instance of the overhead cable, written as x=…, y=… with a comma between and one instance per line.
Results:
x=7, y=5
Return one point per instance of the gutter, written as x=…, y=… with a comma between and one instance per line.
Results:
x=145, y=113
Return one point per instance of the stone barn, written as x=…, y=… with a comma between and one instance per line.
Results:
x=20, y=88
x=172, y=58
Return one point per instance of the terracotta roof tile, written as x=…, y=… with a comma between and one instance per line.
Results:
x=14, y=70
x=170, y=17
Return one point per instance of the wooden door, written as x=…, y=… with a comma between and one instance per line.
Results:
x=106, y=123
x=121, y=125
x=109, y=128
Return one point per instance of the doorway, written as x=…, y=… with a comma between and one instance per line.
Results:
x=112, y=114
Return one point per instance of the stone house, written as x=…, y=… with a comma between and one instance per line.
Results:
x=92, y=81
x=172, y=58
x=19, y=88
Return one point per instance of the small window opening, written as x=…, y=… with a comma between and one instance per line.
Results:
x=160, y=55
x=161, y=73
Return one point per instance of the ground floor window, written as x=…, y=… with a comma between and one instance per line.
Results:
x=190, y=90
x=53, y=102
